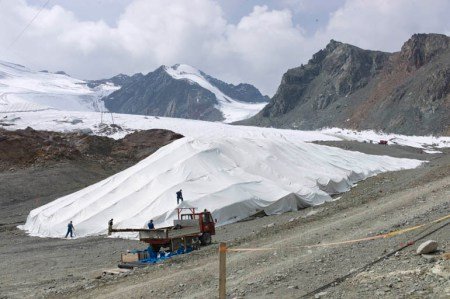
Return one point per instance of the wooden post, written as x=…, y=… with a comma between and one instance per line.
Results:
x=222, y=270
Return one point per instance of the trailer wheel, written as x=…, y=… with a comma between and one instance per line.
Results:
x=205, y=239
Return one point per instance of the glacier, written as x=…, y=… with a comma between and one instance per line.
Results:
x=22, y=89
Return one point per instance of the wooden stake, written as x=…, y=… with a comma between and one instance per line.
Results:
x=222, y=270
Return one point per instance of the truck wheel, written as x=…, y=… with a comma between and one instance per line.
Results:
x=155, y=248
x=205, y=239
x=195, y=243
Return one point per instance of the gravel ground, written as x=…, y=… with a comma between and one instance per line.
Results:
x=36, y=267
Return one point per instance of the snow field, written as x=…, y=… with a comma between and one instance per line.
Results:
x=22, y=89
x=63, y=121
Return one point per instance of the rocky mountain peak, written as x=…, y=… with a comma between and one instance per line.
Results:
x=184, y=91
x=421, y=48
x=346, y=86
x=333, y=44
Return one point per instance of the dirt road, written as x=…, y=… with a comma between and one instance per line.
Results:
x=34, y=267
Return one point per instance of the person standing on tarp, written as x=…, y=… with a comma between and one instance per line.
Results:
x=151, y=225
x=179, y=196
x=70, y=229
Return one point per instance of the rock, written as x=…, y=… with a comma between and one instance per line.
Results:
x=270, y=225
x=310, y=213
x=320, y=295
x=427, y=247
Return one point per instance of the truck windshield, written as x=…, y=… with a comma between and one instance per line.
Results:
x=206, y=218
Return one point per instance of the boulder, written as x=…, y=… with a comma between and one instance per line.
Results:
x=427, y=247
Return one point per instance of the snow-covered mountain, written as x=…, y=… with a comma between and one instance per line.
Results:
x=185, y=92
x=178, y=91
x=22, y=89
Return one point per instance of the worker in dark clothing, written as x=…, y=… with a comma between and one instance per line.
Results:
x=179, y=196
x=151, y=225
x=70, y=229
x=110, y=226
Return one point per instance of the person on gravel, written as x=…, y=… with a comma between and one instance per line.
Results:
x=179, y=196
x=151, y=225
x=70, y=229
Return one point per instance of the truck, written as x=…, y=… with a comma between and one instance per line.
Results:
x=191, y=229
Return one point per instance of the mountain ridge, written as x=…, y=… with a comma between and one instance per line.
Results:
x=406, y=92
x=185, y=92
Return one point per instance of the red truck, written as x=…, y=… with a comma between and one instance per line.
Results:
x=190, y=229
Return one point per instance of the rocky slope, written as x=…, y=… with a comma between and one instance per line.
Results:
x=184, y=92
x=118, y=80
x=405, y=92
x=25, y=148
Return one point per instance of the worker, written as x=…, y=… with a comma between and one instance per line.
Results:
x=179, y=196
x=151, y=225
x=110, y=224
x=70, y=229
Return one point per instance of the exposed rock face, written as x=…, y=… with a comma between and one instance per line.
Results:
x=242, y=92
x=23, y=148
x=405, y=92
x=158, y=93
x=118, y=80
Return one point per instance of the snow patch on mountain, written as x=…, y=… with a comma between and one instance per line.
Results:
x=233, y=110
x=22, y=89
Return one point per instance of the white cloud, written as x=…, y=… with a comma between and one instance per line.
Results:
x=258, y=49
x=386, y=24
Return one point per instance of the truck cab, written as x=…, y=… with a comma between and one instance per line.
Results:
x=205, y=222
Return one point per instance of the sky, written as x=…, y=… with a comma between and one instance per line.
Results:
x=234, y=40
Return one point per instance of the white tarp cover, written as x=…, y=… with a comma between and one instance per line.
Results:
x=233, y=177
